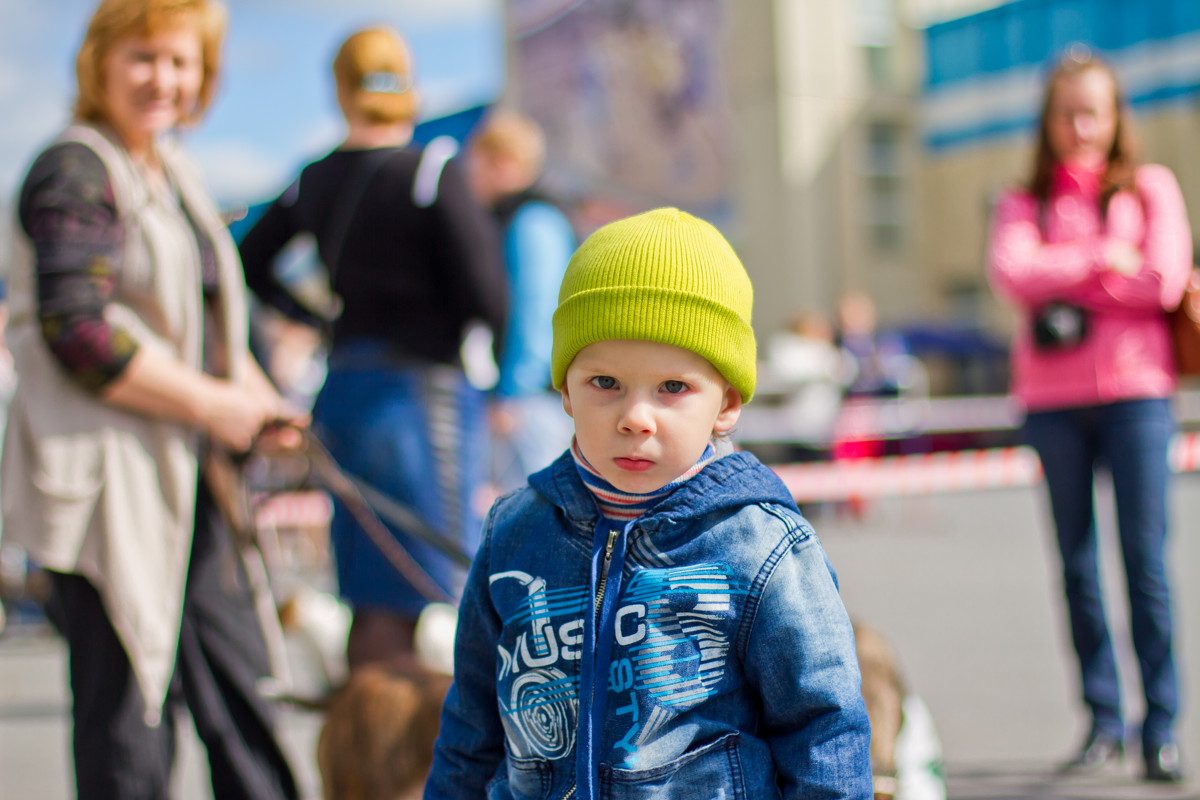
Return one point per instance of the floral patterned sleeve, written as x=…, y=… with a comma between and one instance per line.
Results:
x=68, y=211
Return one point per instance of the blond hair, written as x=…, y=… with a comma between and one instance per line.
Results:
x=115, y=20
x=373, y=71
x=507, y=133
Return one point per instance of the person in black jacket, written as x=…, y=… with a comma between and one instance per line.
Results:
x=414, y=259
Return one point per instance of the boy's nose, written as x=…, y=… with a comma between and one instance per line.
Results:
x=637, y=417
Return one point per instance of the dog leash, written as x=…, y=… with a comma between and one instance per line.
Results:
x=367, y=505
x=331, y=475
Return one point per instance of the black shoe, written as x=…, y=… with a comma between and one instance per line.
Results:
x=1098, y=751
x=1162, y=764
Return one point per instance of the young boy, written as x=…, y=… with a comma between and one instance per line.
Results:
x=652, y=617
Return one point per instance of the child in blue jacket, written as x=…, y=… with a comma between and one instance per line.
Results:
x=652, y=617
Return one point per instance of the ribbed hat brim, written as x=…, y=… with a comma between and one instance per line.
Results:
x=669, y=316
x=661, y=276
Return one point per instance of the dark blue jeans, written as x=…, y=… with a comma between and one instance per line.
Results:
x=1131, y=439
x=415, y=432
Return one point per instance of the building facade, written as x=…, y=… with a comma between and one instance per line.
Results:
x=840, y=145
x=824, y=100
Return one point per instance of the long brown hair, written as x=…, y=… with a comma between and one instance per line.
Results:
x=1121, y=161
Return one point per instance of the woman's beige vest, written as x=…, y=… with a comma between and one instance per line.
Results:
x=89, y=488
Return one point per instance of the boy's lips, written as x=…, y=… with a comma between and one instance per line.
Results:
x=634, y=464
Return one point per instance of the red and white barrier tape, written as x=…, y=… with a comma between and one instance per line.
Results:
x=887, y=476
x=933, y=473
x=771, y=419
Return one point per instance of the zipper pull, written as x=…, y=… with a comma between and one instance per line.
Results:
x=603, y=579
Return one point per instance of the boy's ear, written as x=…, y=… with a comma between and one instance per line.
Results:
x=731, y=410
x=566, y=398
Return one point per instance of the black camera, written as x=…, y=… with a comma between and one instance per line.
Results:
x=1059, y=325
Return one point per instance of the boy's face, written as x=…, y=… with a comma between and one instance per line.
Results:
x=644, y=411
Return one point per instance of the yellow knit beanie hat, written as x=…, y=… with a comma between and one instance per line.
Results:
x=663, y=276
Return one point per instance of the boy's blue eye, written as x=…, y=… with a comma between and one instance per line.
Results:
x=674, y=387
x=604, y=381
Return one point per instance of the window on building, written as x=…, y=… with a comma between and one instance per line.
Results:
x=876, y=33
x=879, y=66
x=884, y=173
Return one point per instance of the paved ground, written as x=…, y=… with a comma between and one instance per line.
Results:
x=962, y=584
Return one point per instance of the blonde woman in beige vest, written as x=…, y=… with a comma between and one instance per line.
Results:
x=128, y=329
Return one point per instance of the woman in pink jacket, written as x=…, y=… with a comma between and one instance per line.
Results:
x=1091, y=253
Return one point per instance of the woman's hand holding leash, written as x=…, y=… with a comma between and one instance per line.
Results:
x=235, y=415
x=281, y=436
x=257, y=416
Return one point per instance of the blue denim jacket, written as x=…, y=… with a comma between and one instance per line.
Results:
x=722, y=666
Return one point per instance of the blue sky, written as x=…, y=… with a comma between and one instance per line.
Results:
x=275, y=107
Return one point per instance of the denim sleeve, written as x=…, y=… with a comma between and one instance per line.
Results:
x=470, y=745
x=800, y=656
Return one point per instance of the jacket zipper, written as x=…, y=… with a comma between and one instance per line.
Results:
x=608, y=550
x=603, y=579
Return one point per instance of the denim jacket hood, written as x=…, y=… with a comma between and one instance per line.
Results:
x=722, y=665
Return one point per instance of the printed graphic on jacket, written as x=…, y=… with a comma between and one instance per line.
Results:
x=669, y=654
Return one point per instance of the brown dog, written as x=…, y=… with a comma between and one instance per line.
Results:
x=379, y=731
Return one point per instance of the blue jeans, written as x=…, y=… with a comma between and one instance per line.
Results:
x=1131, y=439
x=416, y=433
